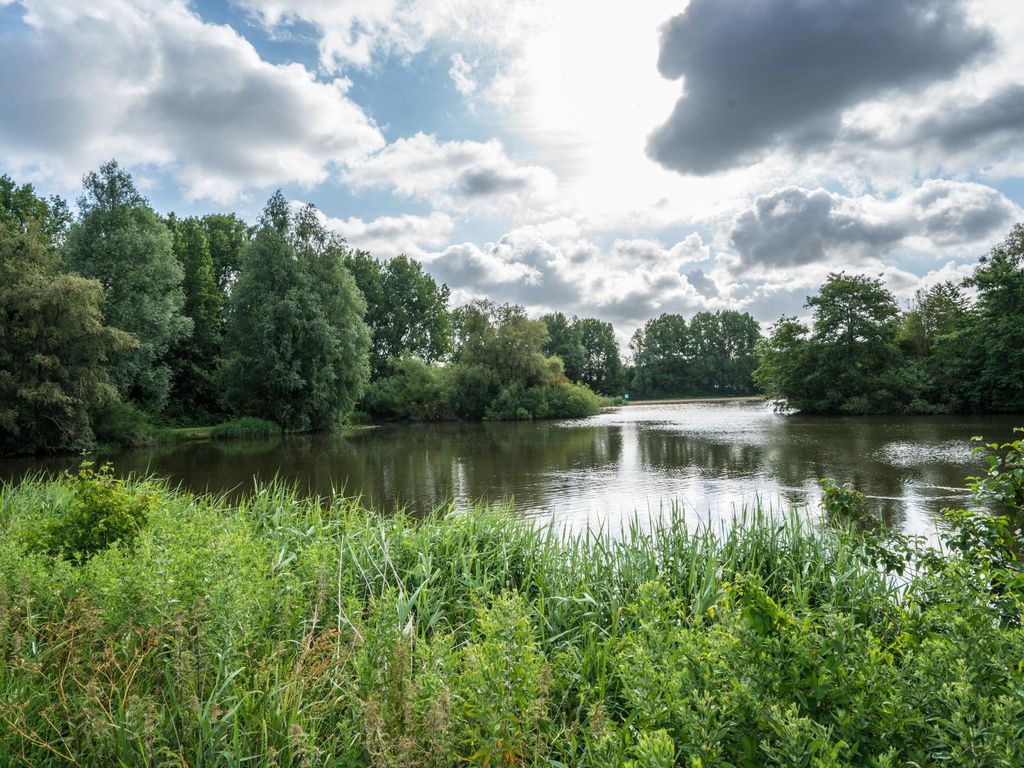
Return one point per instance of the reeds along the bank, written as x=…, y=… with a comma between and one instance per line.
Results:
x=279, y=630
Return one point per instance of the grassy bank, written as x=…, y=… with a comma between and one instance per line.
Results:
x=286, y=632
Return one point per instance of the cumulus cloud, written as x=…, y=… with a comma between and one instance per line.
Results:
x=778, y=74
x=453, y=173
x=150, y=83
x=389, y=236
x=550, y=266
x=793, y=226
x=355, y=32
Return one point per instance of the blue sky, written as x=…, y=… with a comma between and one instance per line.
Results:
x=600, y=159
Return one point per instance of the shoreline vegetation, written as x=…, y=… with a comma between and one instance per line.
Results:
x=140, y=625
x=128, y=326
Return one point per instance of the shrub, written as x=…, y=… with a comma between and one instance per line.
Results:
x=843, y=504
x=244, y=427
x=103, y=509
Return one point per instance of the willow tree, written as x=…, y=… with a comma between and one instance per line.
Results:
x=296, y=349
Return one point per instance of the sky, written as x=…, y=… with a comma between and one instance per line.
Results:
x=614, y=160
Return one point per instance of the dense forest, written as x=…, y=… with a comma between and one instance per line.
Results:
x=118, y=323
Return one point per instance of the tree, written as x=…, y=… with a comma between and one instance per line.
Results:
x=565, y=344
x=602, y=365
x=227, y=235
x=996, y=336
x=120, y=241
x=661, y=357
x=723, y=351
x=405, y=309
x=296, y=349
x=53, y=343
x=194, y=359
x=850, y=363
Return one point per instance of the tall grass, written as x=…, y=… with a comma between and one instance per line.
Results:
x=285, y=631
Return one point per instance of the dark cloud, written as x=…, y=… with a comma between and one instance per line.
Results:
x=961, y=127
x=703, y=284
x=481, y=182
x=779, y=73
x=794, y=226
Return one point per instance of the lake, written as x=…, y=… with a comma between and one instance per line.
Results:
x=708, y=458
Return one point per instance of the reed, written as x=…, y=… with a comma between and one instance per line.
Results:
x=278, y=630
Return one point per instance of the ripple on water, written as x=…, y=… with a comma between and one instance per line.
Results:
x=907, y=454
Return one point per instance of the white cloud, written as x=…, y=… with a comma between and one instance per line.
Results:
x=453, y=173
x=389, y=236
x=150, y=83
x=461, y=74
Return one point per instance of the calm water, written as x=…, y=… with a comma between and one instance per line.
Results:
x=708, y=458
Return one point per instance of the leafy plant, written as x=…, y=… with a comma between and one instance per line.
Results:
x=103, y=509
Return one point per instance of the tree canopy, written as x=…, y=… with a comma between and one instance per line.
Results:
x=54, y=345
x=119, y=241
x=296, y=350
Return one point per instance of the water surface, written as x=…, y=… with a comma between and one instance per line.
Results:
x=708, y=458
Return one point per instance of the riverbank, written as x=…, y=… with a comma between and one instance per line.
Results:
x=690, y=400
x=286, y=631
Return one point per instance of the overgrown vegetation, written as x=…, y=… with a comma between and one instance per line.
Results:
x=282, y=631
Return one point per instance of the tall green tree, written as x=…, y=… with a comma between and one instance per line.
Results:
x=602, y=364
x=565, y=344
x=54, y=345
x=662, y=357
x=406, y=310
x=850, y=363
x=120, y=242
x=997, y=331
x=194, y=360
x=296, y=349
x=227, y=235
x=723, y=348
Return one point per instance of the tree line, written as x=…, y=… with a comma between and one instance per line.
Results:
x=117, y=320
x=958, y=347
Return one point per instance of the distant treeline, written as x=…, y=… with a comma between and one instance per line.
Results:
x=118, y=320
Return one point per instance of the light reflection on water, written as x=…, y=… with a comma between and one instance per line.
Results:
x=709, y=459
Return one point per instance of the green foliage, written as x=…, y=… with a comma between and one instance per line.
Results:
x=500, y=373
x=244, y=428
x=564, y=343
x=194, y=394
x=227, y=235
x=842, y=503
x=296, y=349
x=713, y=354
x=54, y=344
x=849, y=362
x=996, y=333
x=588, y=350
x=945, y=354
x=101, y=510
x=120, y=242
x=289, y=631
x=405, y=309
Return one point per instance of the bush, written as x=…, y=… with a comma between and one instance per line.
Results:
x=103, y=509
x=244, y=428
x=122, y=424
x=560, y=400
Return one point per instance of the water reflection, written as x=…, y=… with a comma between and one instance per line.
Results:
x=708, y=458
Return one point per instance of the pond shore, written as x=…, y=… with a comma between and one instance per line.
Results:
x=686, y=400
